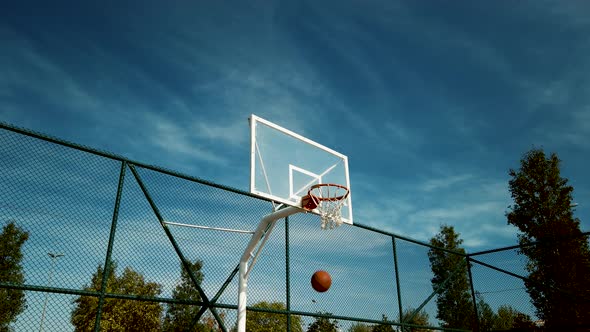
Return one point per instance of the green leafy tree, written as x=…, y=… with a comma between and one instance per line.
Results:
x=523, y=322
x=383, y=327
x=257, y=321
x=12, y=301
x=421, y=318
x=453, y=301
x=506, y=315
x=487, y=318
x=119, y=314
x=509, y=318
x=559, y=263
x=179, y=316
x=360, y=327
x=210, y=324
x=323, y=324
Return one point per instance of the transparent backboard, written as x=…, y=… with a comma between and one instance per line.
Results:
x=285, y=164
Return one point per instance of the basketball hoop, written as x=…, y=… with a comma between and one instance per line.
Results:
x=328, y=199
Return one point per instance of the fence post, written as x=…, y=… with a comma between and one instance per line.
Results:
x=287, y=280
x=107, y=264
x=399, y=296
x=474, y=299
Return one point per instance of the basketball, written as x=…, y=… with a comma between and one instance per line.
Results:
x=321, y=281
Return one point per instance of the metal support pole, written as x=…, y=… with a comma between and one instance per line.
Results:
x=287, y=280
x=473, y=293
x=397, y=284
x=107, y=262
x=54, y=257
x=261, y=233
x=458, y=269
x=184, y=261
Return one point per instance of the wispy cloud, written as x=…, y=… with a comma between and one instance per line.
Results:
x=478, y=235
x=445, y=182
x=464, y=201
x=402, y=134
x=579, y=134
x=172, y=137
x=571, y=13
x=111, y=105
x=568, y=129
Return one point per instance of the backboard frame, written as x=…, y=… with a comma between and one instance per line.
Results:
x=256, y=159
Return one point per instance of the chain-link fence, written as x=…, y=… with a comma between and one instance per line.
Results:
x=109, y=249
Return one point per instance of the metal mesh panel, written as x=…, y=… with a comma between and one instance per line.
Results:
x=267, y=280
x=509, y=260
x=499, y=279
x=63, y=198
x=56, y=318
x=360, y=263
x=415, y=276
x=499, y=289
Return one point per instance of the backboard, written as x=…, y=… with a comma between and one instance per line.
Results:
x=284, y=165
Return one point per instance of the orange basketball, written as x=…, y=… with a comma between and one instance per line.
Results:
x=321, y=281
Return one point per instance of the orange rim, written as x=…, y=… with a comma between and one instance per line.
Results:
x=331, y=199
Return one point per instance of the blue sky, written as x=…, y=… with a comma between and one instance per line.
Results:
x=431, y=102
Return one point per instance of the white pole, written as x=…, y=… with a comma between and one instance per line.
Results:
x=242, y=296
x=244, y=270
x=53, y=258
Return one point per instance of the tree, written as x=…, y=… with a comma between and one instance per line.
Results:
x=179, y=316
x=487, y=319
x=550, y=237
x=506, y=315
x=210, y=324
x=119, y=314
x=421, y=318
x=509, y=318
x=453, y=301
x=383, y=327
x=12, y=301
x=360, y=327
x=258, y=321
x=323, y=324
x=523, y=322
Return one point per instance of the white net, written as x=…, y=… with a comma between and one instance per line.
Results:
x=329, y=199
